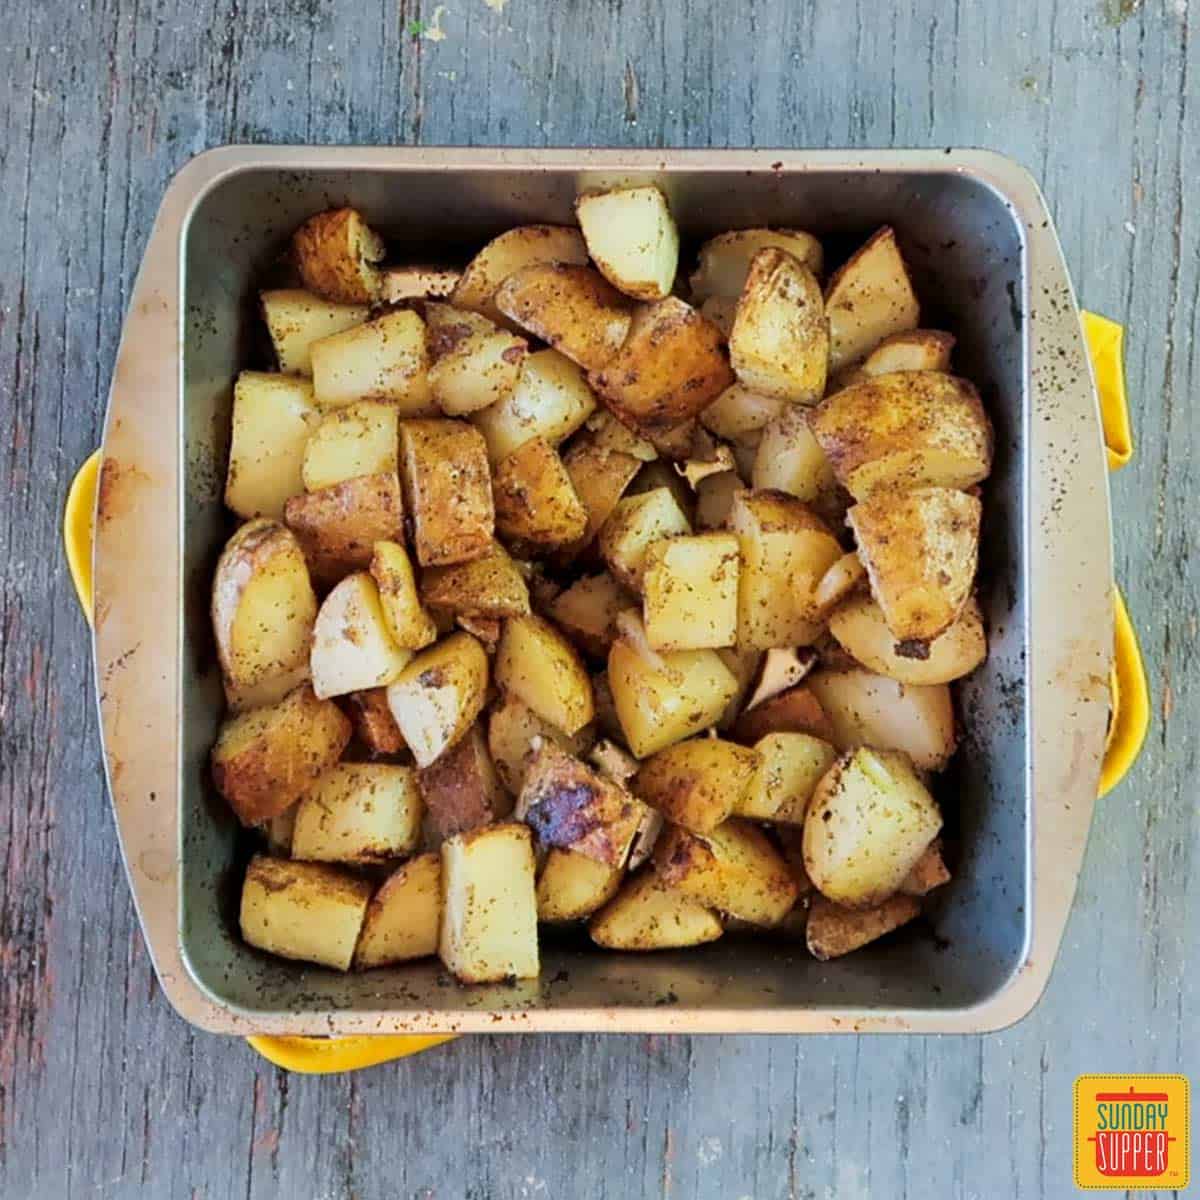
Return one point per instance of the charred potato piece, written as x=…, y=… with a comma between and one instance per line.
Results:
x=489, y=586
x=296, y=318
x=645, y=915
x=541, y=668
x=352, y=647
x=404, y=916
x=699, y=783
x=536, y=503
x=472, y=367
x=337, y=254
x=690, y=589
x=631, y=236
x=382, y=359
x=634, y=525
x=360, y=439
x=512, y=729
x=373, y=722
x=790, y=767
x=461, y=789
x=725, y=260
x=572, y=886
x=587, y=612
x=789, y=459
x=833, y=930
x=408, y=623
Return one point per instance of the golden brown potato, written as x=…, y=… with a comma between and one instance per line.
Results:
x=360, y=439
x=698, y=783
x=373, y=722
x=273, y=416
x=490, y=586
x=600, y=477
x=404, y=916
x=306, y=911
x=572, y=886
x=906, y=430
x=418, y=282
x=690, y=585
x=338, y=526
x=833, y=930
x=636, y=523
x=789, y=459
x=859, y=626
x=607, y=433
x=409, y=625
x=920, y=550
x=645, y=915
x=868, y=299
x=587, y=612
x=869, y=821
x=734, y=868
x=572, y=308
x=512, y=728
x=796, y=710
x=542, y=669
x=790, y=766
x=725, y=260
x=449, y=491
x=779, y=344
x=461, y=789
x=266, y=759
x=382, y=359
x=475, y=363
x=296, y=318
x=337, y=254
x=352, y=648
x=439, y=694
x=631, y=237
x=536, y=503
x=914, y=350
x=928, y=872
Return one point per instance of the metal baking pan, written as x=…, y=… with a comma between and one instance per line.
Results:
x=988, y=266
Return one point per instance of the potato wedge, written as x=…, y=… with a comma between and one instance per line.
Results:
x=833, y=930
x=538, y=666
x=461, y=789
x=699, y=783
x=796, y=710
x=725, y=260
x=790, y=459
x=475, y=363
x=572, y=886
x=489, y=586
x=360, y=439
x=779, y=344
x=572, y=308
x=906, y=430
x=273, y=417
x=645, y=915
x=418, y=282
x=920, y=549
x=869, y=821
x=510, y=252
x=409, y=625
x=928, y=872
x=868, y=299
x=734, y=868
x=914, y=350
x=631, y=236
x=448, y=488
x=790, y=767
x=489, y=905
x=859, y=626
x=587, y=612
x=512, y=728
x=404, y=916
x=352, y=647
x=439, y=694
x=636, y=523
x=536, y=503
x=381, y=359
x=338, y=526
x=600, y=477
x=690, y=589
x=359, y=813
x=266, y=759
x=740, y=415
x=296, y=318
x=373, y=722
x=263, y=609
x=337, y=254
x=714, y=500
x=306, y=911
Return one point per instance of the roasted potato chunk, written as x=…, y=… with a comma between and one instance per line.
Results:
x=337, y=254
x=359, y=813
x=541, y=668
x=690, y=589
x=725, y=260
x=536, y=503
x=631, y=237
x=382, y=359
x=600, y=478
x=834, y=930
x=634, y=525
x=790, y=765
x=512, y=728
x=645, y=915
x=489, y=586
x=296, y=318
x=409, y=625
x=587, y=612
x=461, y=789
x=721, y=311
x=373, y=722
x=698, y=783
x=915, y=350
x=352, y=647
x=607, y=433
x=472, y=367
x=360, y=439
x=740, y=414
x=789, y=459
x=572, y=886
x=796, y=710
x=404, y=916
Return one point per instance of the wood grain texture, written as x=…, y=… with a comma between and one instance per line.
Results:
x=103, y=1092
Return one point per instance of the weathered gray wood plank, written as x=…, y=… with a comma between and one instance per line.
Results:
x=103, y=1092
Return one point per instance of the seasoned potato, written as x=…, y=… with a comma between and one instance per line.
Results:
x=845, y=577
x=461, y=789
x=263, y=610
x=409, y=625
x=743, y=665
x=404, y=916
x=509, y=253
x=690, y=585
x=663, y=474
x=834, y=930
x=266, y=759
x=796, y=710
x=671, y=367
x=928, y=872
x=439, y=694
x=551, y=399
x=489, y=586
x=721, y=311
x=572, y=886
x=786, y=549
x=600, y=477
x=920, y=550
x=536, y=503
x=740, y=415
x=475, y=363
x=636, y=523
x=572, y=308
x=337, y=254
x=352, y=648
x=612, y=762
x=645, y=915
x=512, y=728
x=915, y=350
x=417, y=282
x=790, y=767
x=733, y=868
x=587, y=611
x=779, y=344
x=449, y=491
x=382, y=359
x=360, y=439
x=714, y=499
x=864, y=709
x=607, y=433
x=541, y=668
x=273, y=416
x=789, y=459
x=296, y=318
x=373, y=722
x=489, y=905
x=631, y=237
x=338, y=526
x=306, y=911
x=906, y=430
x=359, y=813
x=869, y=821
x=725, y=260
x=697, y=783
x=859, y=626
x=868, y=299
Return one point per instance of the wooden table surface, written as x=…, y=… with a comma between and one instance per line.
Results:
x=103, y=1091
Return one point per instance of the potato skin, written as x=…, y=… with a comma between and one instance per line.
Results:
x=373, y=722
x=460, y=788
x=795, y=711
x=600, y=477
x=535, y=500
x=488, y=586
x=336, y=253
x=833, y=930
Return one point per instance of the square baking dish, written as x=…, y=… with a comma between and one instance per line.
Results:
x=987, y=266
